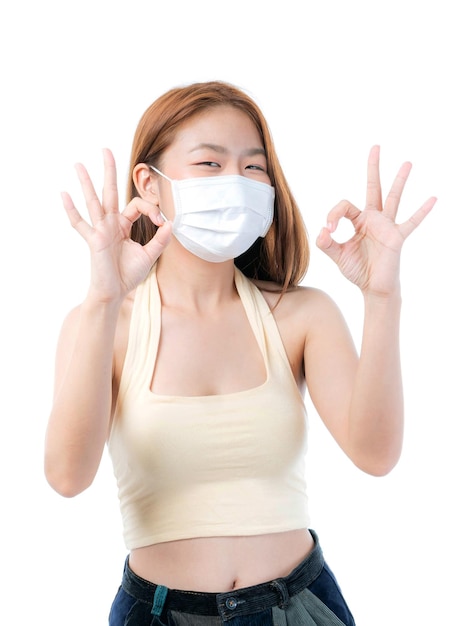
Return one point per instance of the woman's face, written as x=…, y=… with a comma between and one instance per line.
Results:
x=217, y=142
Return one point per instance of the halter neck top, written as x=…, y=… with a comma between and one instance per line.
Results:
x=202, y=466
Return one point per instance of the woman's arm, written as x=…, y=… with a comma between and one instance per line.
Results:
x=361, y=399
x=81, y=411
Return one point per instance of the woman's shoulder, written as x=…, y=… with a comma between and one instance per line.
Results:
x=304, y=315
x=297, y=300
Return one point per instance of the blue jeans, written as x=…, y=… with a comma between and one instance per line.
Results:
x=309, y=595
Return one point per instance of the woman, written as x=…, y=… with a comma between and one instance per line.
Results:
x=190, y=354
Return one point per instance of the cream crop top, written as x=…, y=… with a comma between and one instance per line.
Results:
x=207, y=466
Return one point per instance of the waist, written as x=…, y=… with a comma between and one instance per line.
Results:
x=218, y=564
x=276, y=591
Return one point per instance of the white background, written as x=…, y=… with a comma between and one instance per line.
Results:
x=333, y=78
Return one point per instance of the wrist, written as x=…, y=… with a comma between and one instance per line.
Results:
x=377, y=295
x=95, y=304
x=386, y=302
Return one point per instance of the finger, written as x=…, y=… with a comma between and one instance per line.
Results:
x=342, y=209
x=93, y=203
x=393, y=199
x=159, y=241
x=374, y=189
x=110, y=191
x=329, y=246
x=415, y=220
x=75, y=219
x=138, y=206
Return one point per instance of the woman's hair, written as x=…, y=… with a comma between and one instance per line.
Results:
x=283, y=255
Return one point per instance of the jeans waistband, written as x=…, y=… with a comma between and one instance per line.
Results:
x=229, y=604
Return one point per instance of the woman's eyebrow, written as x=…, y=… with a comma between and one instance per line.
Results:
x=255, y=151
x=209, y=146
x=221, y=149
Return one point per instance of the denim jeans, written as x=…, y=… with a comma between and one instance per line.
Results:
x=309, y=595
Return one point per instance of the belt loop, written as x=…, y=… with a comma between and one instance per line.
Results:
x=280, y=586
x=159, y=600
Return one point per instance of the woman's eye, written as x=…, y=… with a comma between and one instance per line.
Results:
x=209, y=163
x=255, y=167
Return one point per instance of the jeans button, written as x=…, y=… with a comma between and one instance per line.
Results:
x=231, y=603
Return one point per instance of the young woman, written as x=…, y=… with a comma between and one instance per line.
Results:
x=189, y=358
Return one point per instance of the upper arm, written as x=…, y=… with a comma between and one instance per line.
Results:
x=330, y=363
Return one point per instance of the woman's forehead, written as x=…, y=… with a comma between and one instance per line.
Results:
x=219, y=128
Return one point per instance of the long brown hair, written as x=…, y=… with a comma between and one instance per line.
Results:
x=283, y=255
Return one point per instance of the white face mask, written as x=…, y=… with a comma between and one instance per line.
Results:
x=217, y=218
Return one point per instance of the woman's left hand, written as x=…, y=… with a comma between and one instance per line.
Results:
x=371, y=258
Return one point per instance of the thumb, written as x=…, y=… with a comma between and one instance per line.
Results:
x=159, y=241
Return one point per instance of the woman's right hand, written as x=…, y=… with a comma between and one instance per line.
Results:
x=118, y=264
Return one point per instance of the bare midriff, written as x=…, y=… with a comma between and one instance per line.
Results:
x=219, y=564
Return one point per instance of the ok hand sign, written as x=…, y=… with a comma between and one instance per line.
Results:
x=371, y=258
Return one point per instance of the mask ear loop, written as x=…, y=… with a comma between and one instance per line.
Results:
x=167, y=178
x=161, y=173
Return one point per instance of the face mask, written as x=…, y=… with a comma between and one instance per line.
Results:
x=217, y=218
